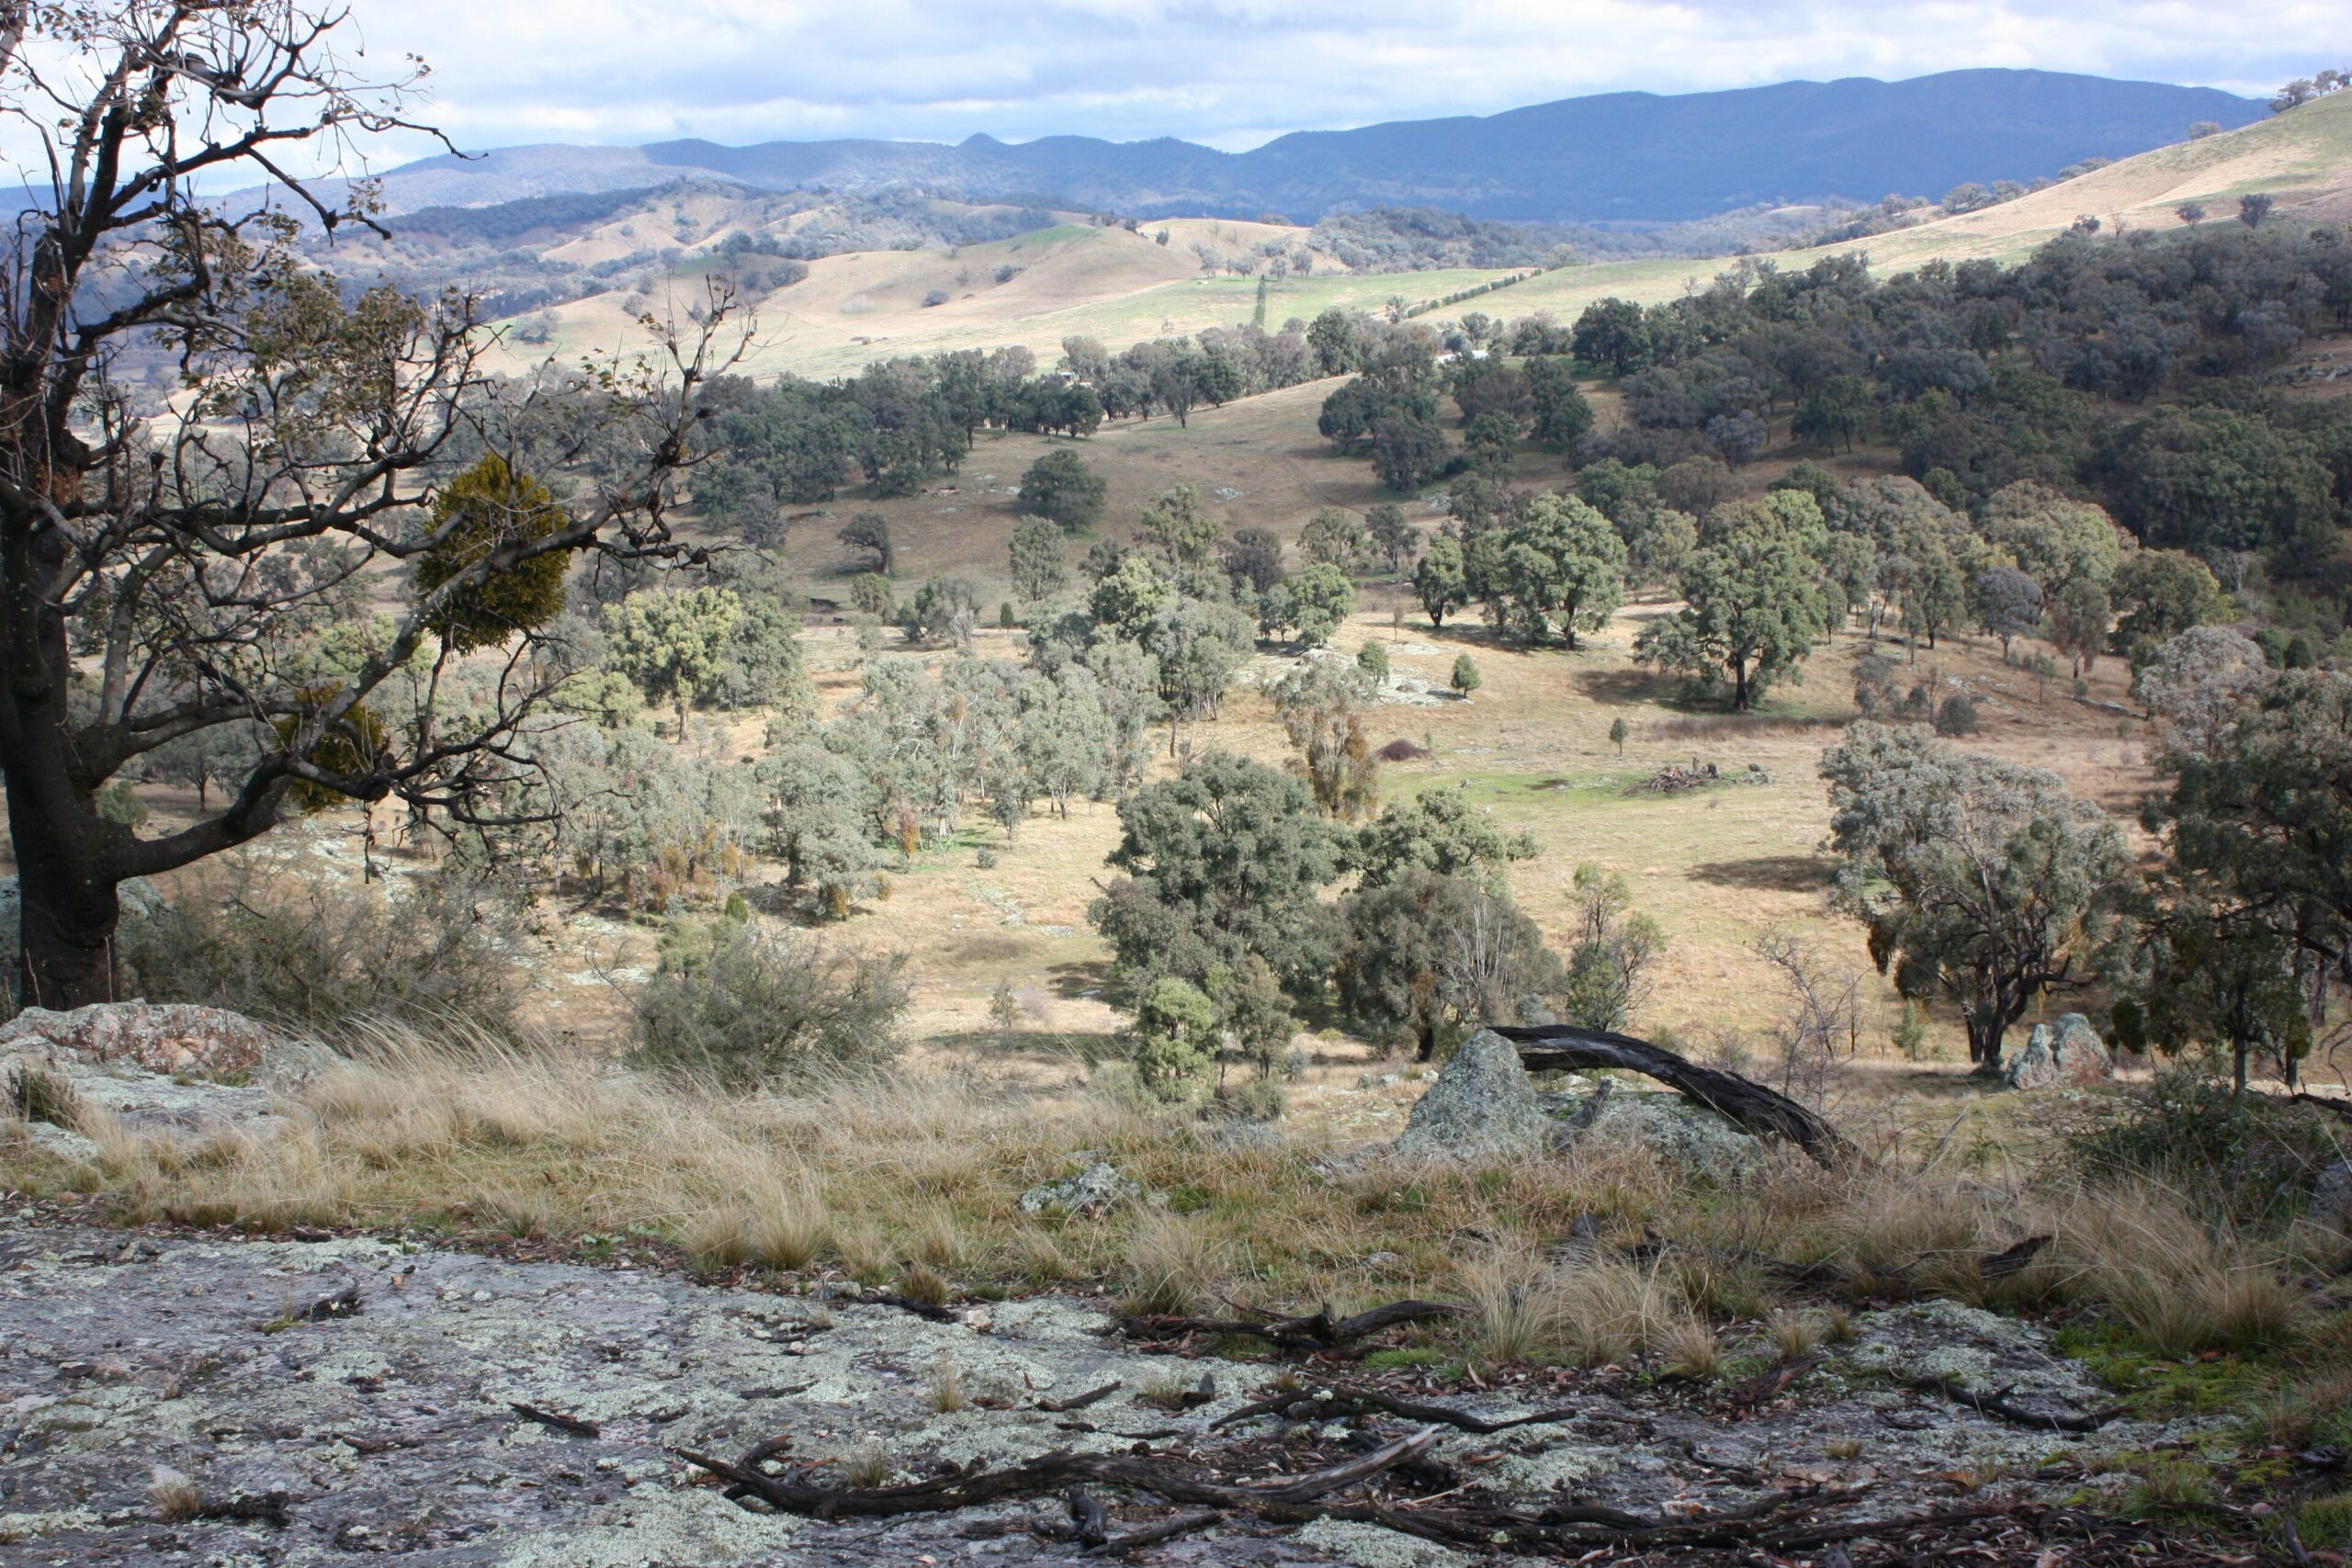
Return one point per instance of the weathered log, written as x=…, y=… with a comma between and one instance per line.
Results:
x=1558, y=1047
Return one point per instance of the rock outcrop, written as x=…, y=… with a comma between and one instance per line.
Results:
x=2068, y=1053
x=1094, y=1190
x=2332, y=1196
x=1483, y=1107
x=172, y=1069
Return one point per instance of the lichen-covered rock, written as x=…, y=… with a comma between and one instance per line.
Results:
x=149, y=1069
x=177, y=1038
x=1098, y=1188
x=1370, y=1546
x=1482, y=1108
x=2069, y=1052
x=1680, y=1133
x=2332, y=1196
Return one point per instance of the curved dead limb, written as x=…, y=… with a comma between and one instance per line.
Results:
x=1996, y=1404
x=796, y=1490
x=1326, y=1403
x=1320, y=1332
x=1558, y=1047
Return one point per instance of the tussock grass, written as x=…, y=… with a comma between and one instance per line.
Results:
x=911, y=1183
x=1174, y=1264
x=2180, y=1283
x=1524, y=1309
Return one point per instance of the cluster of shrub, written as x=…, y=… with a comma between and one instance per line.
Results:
x=1220, y=933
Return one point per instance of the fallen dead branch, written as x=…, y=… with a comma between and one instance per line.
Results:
x=2012, y=1260
x=1152, y=1535
x=1997, y=1404
x=572, y=1424
x=1558, y=1047
x=1080, y=1401
x=1320, y=1332
x=797, y=1490
x=1320, y=1405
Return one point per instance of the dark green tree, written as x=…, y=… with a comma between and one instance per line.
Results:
x=870, y=531
x=1060, y=485
x=1040, y=569
x=1438, y=581
x=1222, y=861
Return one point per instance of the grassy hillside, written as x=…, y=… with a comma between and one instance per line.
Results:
x=1121, y=287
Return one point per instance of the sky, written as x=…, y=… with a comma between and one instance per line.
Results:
x=1233, y=73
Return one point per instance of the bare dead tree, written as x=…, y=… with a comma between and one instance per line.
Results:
x=174, y=561
x=1819, y=1028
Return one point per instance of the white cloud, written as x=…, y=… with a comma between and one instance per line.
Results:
x=1232, y=73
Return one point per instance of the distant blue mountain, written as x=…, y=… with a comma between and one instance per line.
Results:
x=1617, y=157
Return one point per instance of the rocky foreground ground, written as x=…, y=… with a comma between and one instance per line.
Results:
x=170, y=1397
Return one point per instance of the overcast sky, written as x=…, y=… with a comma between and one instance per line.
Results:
x=1235, y=72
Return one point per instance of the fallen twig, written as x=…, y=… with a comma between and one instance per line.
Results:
x=1320, y=1332
x=1152, y=1535
x=931, y=1310
x=572, y=1424
x=1996, y=1404
x=1080, y=1401
x=1325, y=1404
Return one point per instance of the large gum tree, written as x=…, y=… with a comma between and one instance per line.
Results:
x=216, y=459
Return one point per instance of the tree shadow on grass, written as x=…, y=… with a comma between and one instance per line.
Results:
x=1078, y=982
x=1626, y=684
x=1768, y=874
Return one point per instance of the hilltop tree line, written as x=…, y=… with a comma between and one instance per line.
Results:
x=2139, y=375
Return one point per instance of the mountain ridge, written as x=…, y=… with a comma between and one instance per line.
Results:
x=1619, y=157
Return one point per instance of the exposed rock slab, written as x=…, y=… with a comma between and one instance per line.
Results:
x=384, y=1425
x=172, y=1069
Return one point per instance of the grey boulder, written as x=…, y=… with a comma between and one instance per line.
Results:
x=1482, y=1109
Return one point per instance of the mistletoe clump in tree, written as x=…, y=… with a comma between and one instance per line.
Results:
x=214, y=457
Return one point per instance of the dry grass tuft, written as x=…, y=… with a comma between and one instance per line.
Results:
x=868, y=1464
x=175, y=1497
x=2179, y=1284
x=1174, y=1265
x=1693, y=1351
x=922, y=1282
x=943, y=1387
x=1794, y=1333
x=1592, y=1314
